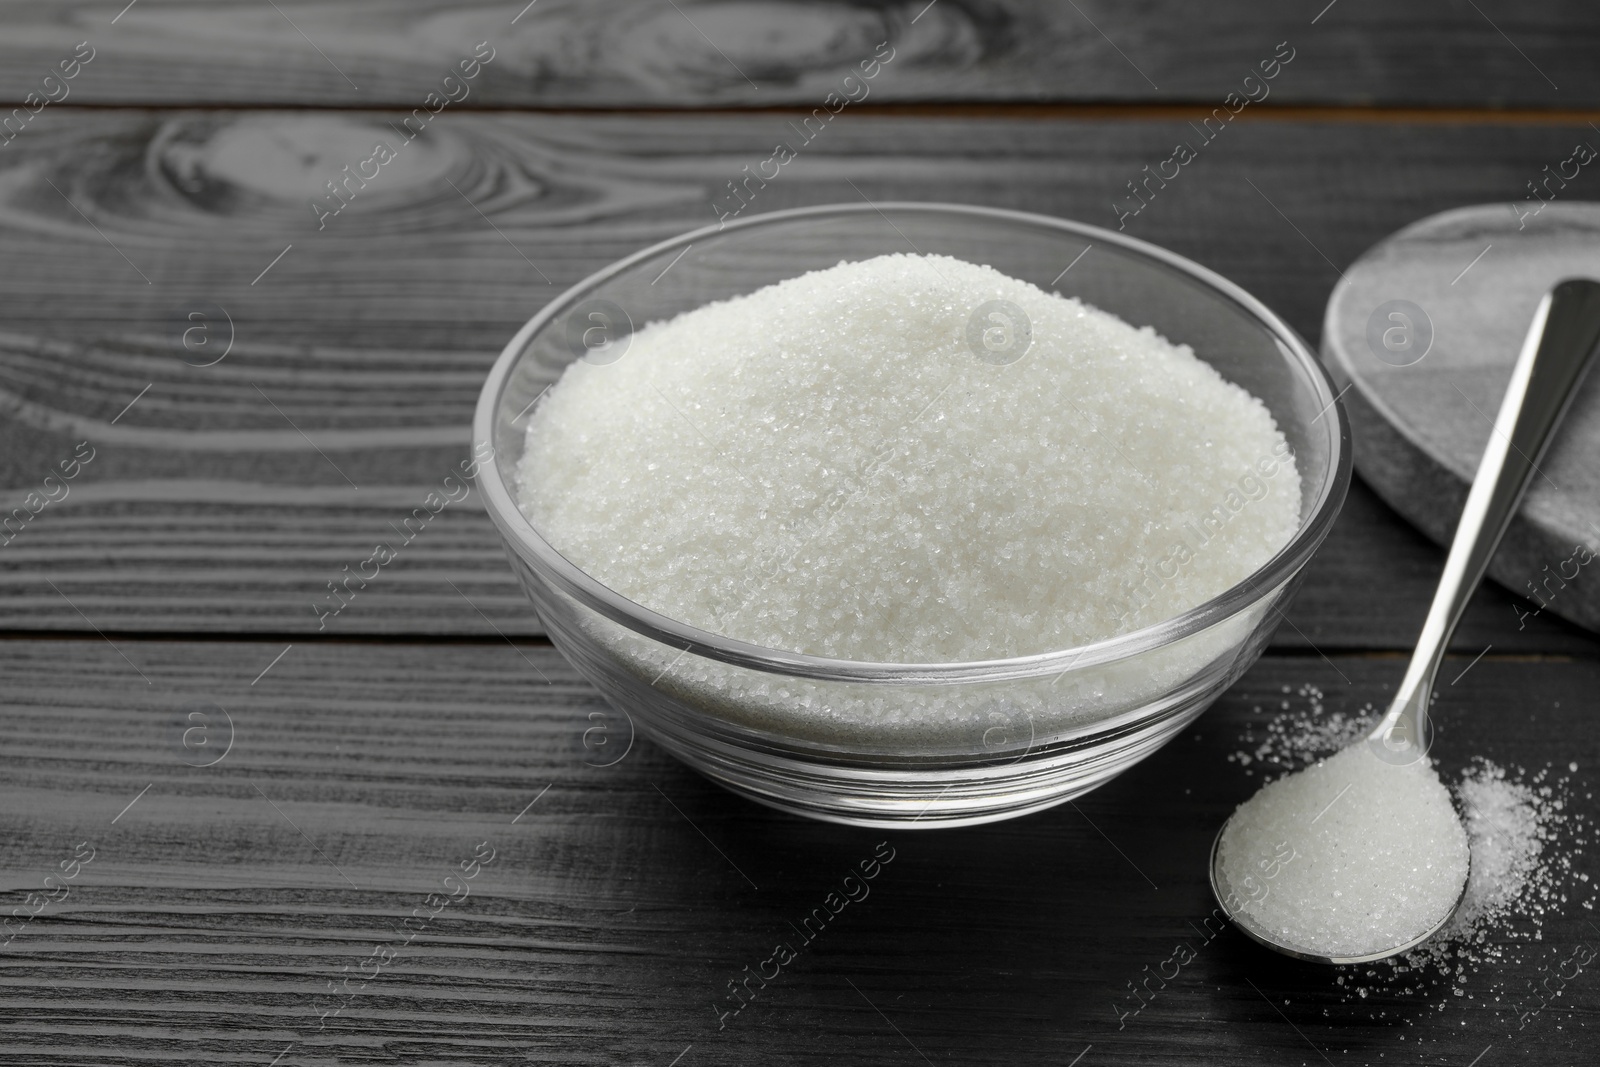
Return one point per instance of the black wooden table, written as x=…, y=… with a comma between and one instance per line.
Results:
x=214, y=396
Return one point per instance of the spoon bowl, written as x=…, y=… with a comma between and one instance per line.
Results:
x=1254, y=932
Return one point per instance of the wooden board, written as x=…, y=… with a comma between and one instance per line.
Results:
x=632, y=53
x=224, y=902
x=227, y=496
x=1426, y=386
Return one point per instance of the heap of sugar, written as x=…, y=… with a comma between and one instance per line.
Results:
x=827, y=466
x=1347, y=858
x=1503, y=820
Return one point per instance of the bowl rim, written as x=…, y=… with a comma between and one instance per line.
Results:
x=523, y=538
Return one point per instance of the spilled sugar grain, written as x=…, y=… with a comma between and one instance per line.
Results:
x=1295, y=737
x=1526, y=842
x=1509, y=827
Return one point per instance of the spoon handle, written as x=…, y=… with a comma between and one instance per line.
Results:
x=1559, y=348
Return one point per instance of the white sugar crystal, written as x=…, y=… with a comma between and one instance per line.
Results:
x=824, y=466
x=1348, y=857
x=1503, y=820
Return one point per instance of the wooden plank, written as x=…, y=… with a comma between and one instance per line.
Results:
x=588, y=53
x=226, y=497
x=215, y=913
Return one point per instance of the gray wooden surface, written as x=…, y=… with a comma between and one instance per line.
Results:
x=224, y=910
x=655, y=53
x=228, y=495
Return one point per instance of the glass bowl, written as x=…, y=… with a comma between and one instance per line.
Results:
x=911, y=744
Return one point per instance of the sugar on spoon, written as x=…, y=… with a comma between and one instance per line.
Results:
x=1362, y=856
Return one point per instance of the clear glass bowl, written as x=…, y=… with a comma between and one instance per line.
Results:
x=920, y=744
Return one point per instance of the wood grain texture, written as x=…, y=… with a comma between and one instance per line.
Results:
x=586, y=53
x=216, y=910
x=228, y=495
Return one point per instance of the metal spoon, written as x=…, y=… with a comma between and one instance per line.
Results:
x=1558, y=350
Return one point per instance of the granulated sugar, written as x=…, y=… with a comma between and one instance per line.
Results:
x=1348, y=857
x=1295, y=738
x=1525, y=840
x=1503, y=821
x=1530, y=841
x=825, y=466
